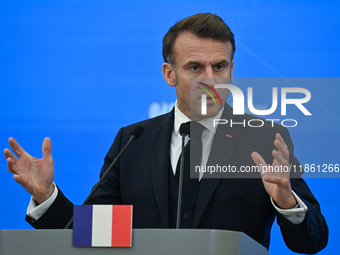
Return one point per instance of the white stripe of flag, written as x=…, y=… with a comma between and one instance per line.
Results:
x=102, y=225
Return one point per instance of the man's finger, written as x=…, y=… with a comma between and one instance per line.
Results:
x=257, y=158
x=259, y=161
x=282, y=182
x=282, y=149
x=9, y=154
x=11, y=166
x=46, y=147
x=279, y=158
x=16, y=147
x=279, y=137
x=273, y=180
x=19, y=179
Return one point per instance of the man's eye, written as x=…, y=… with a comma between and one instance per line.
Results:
x=219, y=67
x=194, y=68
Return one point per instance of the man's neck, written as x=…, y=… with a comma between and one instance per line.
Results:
x=208, y=123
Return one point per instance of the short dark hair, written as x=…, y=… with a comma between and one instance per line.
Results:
x=203, y=25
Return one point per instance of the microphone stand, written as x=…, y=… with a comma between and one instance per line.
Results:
x=180, y=184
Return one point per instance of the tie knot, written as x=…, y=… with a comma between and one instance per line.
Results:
x=196, y=129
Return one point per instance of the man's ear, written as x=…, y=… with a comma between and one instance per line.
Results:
x=169, y=74
x=231, y=71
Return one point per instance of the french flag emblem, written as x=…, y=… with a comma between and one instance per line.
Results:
x=102, y=225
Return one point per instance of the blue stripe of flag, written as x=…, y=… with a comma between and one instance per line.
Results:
x=82, y=225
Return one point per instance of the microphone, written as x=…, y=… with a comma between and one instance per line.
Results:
x=184, y=130
x=135, y=134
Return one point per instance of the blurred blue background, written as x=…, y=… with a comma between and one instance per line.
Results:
x=76, y=71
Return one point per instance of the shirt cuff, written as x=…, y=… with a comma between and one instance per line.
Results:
x=294, y=215
x=35, y=211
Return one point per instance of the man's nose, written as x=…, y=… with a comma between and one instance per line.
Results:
x=208, y=72
x=208, y=77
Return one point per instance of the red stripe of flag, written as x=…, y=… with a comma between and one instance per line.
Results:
x=121, y=225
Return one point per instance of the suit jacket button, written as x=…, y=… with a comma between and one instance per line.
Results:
x=186, y=215
x=311, y=229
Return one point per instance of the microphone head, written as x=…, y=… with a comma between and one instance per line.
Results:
x=137, y=132
x=185, y=129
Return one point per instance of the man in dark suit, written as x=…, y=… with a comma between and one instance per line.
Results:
x=198, y=47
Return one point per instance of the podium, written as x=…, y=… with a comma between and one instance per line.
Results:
x=144, y=242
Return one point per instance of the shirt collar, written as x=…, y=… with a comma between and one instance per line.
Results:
x=208, y=123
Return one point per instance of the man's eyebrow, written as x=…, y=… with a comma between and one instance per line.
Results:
x=192, y=63
x=223, y=61
x=196, y=63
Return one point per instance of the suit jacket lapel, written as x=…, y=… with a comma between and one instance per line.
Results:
x=161, y=138
x=221, y=151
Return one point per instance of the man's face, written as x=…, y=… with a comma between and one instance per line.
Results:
x=203, y=60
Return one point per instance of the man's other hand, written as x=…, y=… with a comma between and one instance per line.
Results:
x=35, y=175
x=277, y=183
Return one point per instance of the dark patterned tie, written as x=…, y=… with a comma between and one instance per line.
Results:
x=192, y=158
